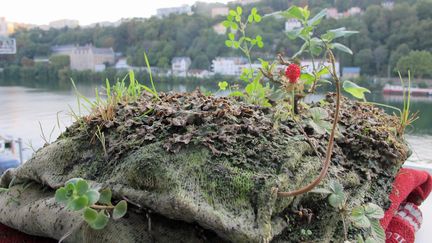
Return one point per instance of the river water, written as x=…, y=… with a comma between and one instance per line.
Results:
x=39, y=114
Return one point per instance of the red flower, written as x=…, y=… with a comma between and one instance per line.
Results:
x=293, y=73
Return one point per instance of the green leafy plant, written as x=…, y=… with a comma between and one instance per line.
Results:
x=315, y=45
x=121, y=92
x=255, y=92
x=101, y=137
x=406, y=116
x=95, y=205
x=355, y=90
x=318, y=120
x=366, y=217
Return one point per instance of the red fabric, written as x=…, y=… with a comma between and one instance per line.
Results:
x=9, y=235
x=410, y=188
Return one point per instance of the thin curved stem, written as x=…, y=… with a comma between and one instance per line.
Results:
x=329, y=152
x=101, y=207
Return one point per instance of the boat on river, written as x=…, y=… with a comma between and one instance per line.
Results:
x=10, y=153
x=399, y=90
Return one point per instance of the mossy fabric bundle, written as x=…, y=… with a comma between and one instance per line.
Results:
x=200, y=168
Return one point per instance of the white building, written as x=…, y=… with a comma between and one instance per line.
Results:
x=291, y=24
x=219, y=11
x=62, y=23
x=86, y=57
x=165, y=12
x=333, y=13
x=3, y=27
x=199, y=73
x=122, y=64
x=180, y=66
x=245, y=2
x=388, y=4
x=229, y=65
x=353, y=11
x=219, y=29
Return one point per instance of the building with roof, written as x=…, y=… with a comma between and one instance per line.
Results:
x=219, y=11
x=388, y=4
x=91, y=58
x=3, y=27
x=229, y=65
x=86, y=57
x=219, y=29
x=165, y=12
x=245, y=2
x=180, y=66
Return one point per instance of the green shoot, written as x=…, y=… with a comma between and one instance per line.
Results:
x=406, y=116
x=101, y=137
x=95, y=205
x=151, y=76
x=255, y=92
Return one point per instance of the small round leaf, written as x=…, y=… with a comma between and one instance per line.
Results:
x=90, y=215
x=105, y=196
x=93, y=197
x=100, y=222
x=223, y=85
x=359, y=218
x=61, y=195
x=81, y=187
x=373, y=211
x=250, y=18
x=78, y=203
x=257, y=18
x=239, y=10
x=120, y=209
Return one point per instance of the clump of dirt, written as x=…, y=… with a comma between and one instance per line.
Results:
x=245, y=132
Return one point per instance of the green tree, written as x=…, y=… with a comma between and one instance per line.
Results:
x=60, y=61
x=380, y=55
x=424, y=9
x=364, y=59
x=419, y=63
x=402, y=50
x=201, y=62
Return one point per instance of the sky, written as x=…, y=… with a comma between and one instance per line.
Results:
x=41, y=12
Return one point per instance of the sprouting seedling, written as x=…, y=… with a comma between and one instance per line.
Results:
x=255, y=92
x=318, y=120
x=95, y=205
x=101, y=137
x=46, y=139
x=366, y=217
x=154, y=92
x=406, y=117
x=106, y=102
